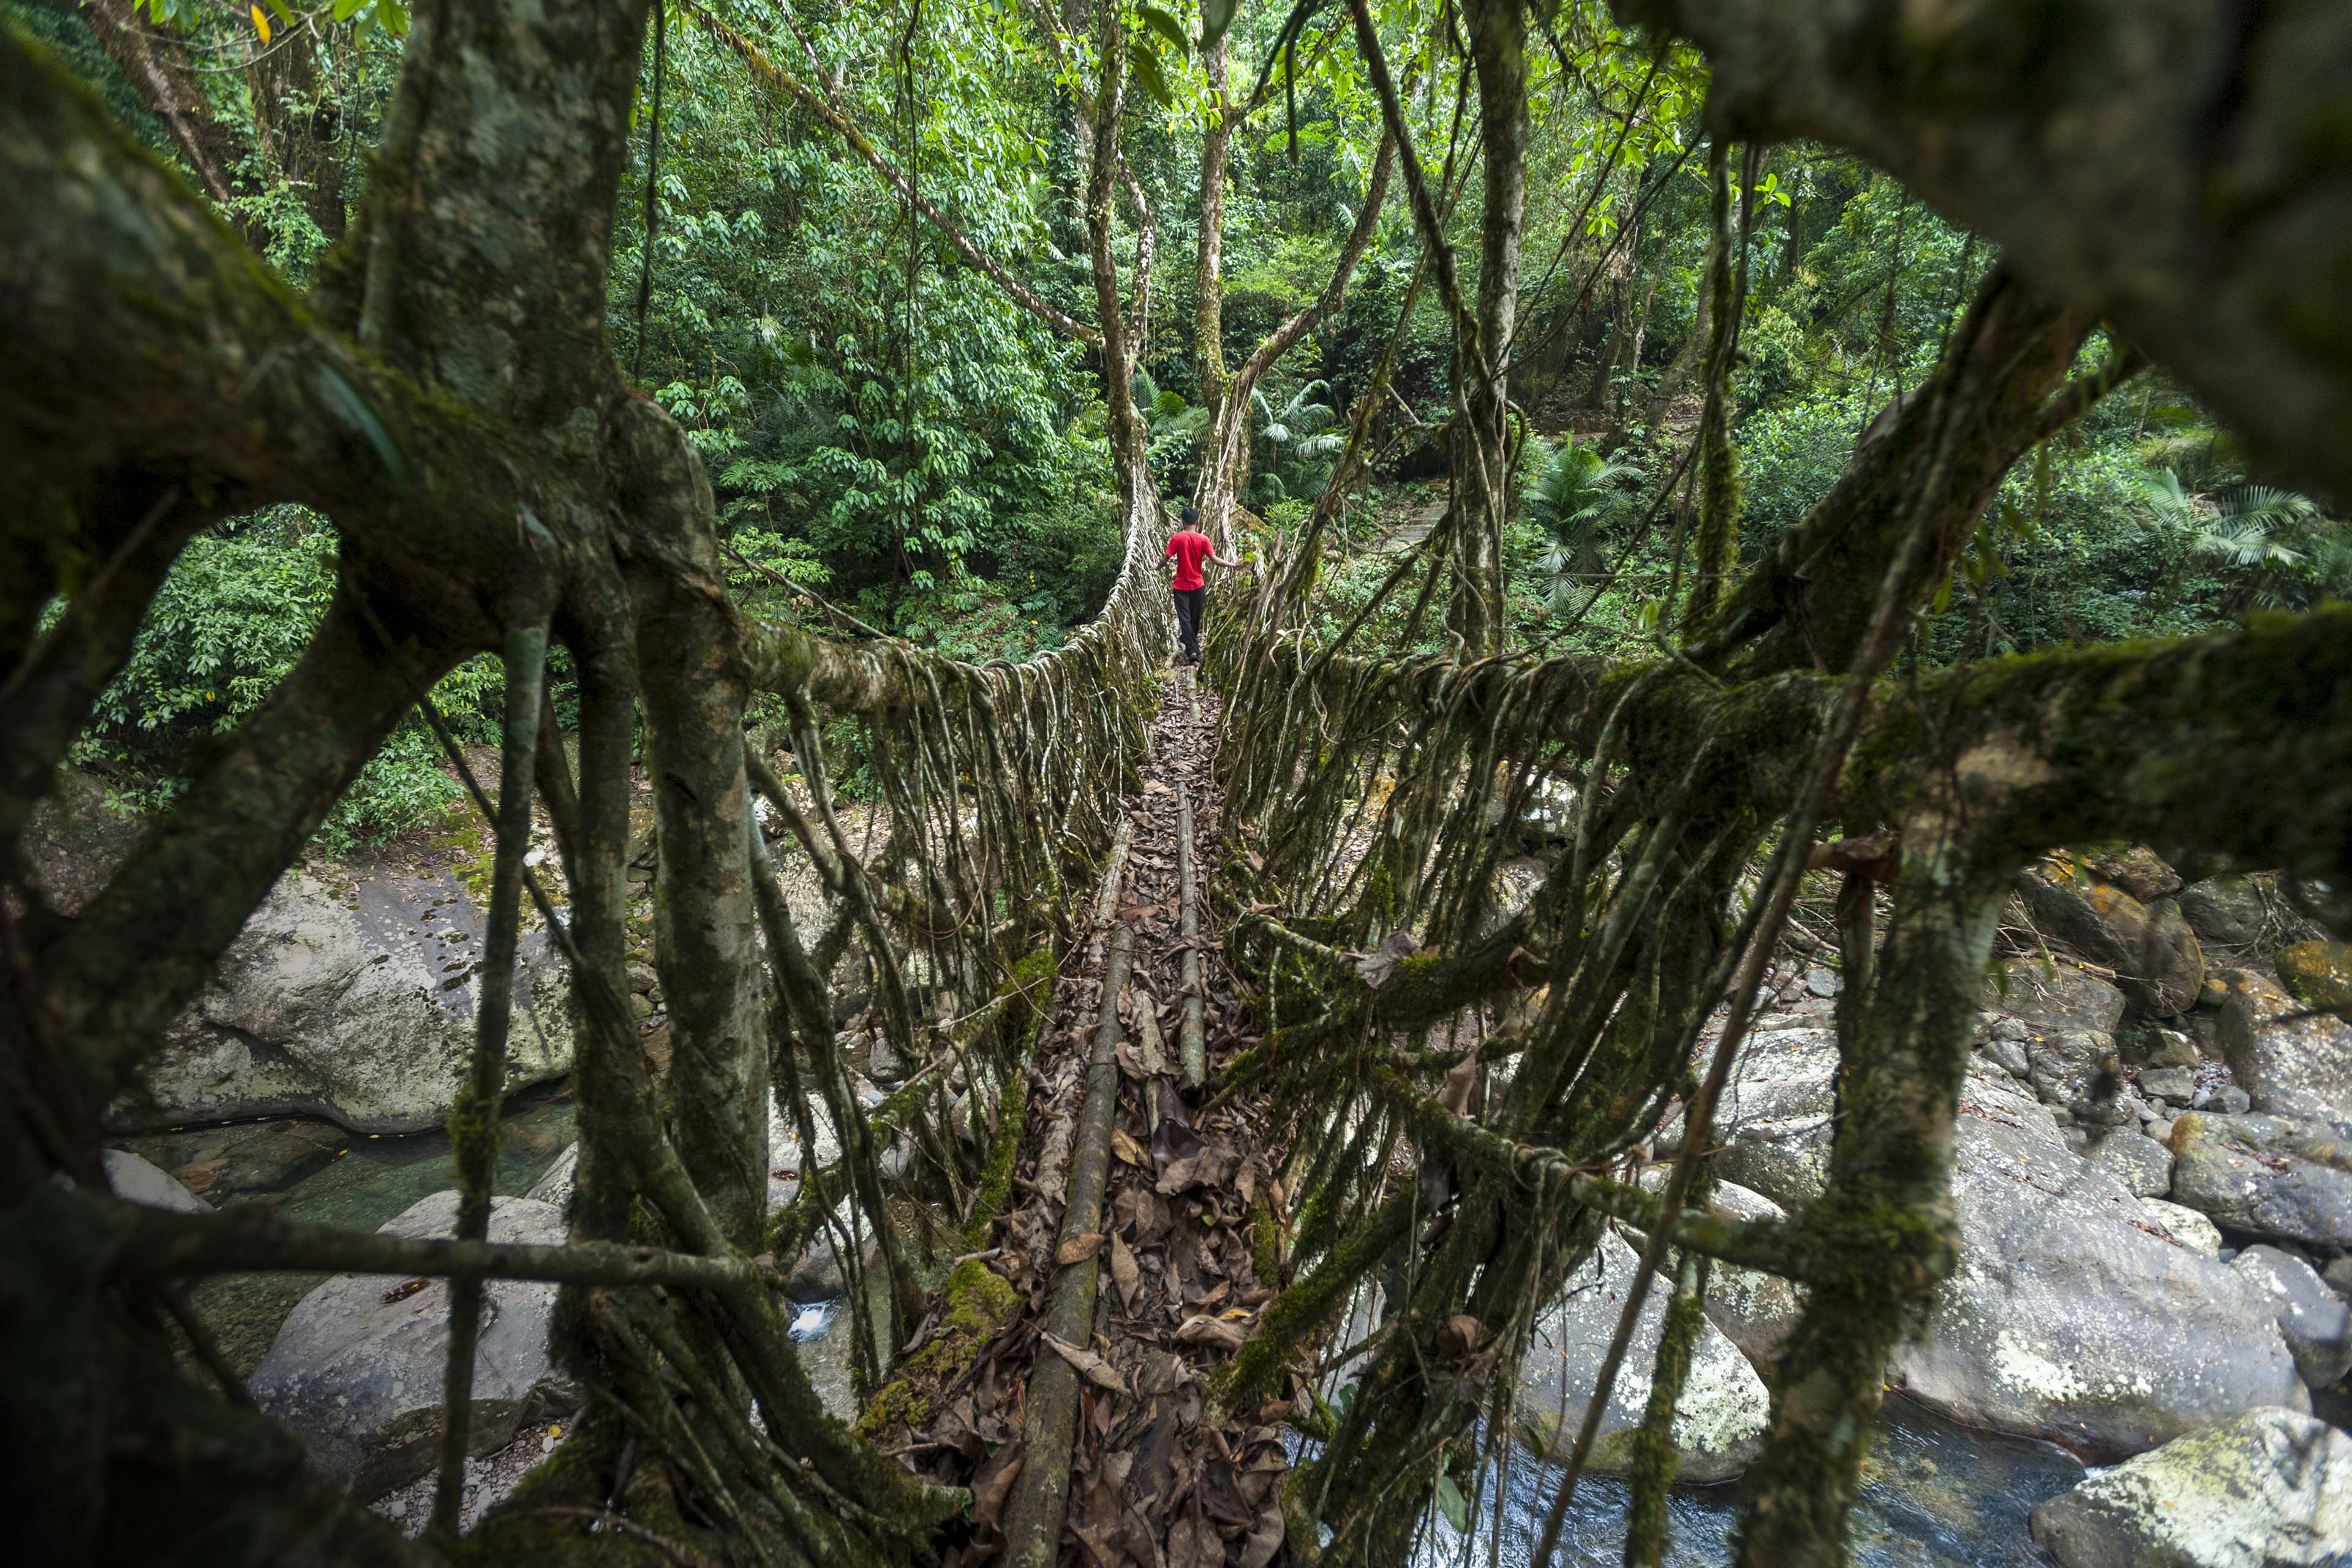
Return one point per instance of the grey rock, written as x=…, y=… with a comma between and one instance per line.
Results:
x=1775, y=1115
x=2074, y=1314
x=554, y=1183
x=2008, y=1055
x=2290, y=1060
x=352, y=1002
x=2066, y=1066
x=2228, y=911
x=2183, y=1225
x=2135, y=868
x=1756, y=1311
x=819, y=1274
x=1720, y=1420
x=641, y=979
x=2160, y=1129
x=2315, y=1323
x=2173, y=1084
x=1823, y=981
x=2224, y=1100
x=2271, y=1489
x=2159, y=963
x=134, y=1180
x=2056, y=994
x=2175, y=1049
x=2338, y=1274
x=356, y=1371
x=2139, y=1165
x=2268, y=1174
x=2071, y=1315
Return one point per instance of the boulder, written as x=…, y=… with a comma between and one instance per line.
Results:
x=1720, y=1419
x=2158, y=963
x=2072, y=1068
x=2135, y=868
x=2290, y=1060
x=2054, y=994
x=2174, y=1085
x=2138, y=1163
x=2319, y=973
x=2228, y=911
x=1756, y=1312
x=356, y=1371
x=354, y=1002
x=2072, y=1315
x=1774, y=1117
x=2179, y=1223
x=2268, y=1174
x=2271, y=1489
x=2001, y=1040
x=554, y=1183
x=135, y=1181
x=2314, y=1321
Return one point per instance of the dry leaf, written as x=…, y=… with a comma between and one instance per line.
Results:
x=1206, y=1331
x=1123, y=1144
x=1152, y=1045
x=1079, y=1248
x=1089, y=1366
x=1124, y=1273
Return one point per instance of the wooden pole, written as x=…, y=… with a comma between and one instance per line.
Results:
x=1191, y=1042
x=1041, y=1495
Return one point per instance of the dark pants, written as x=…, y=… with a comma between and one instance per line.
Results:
x=1188, y=622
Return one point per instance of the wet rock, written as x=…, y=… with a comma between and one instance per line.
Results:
x=2135, y=868
x=134, y=1180
x=2138, y=1163
x=819, y=1273
x=2315, y=1322
x=2290, y=1060
x=2072, y=1315
x=2158, y=962
x=1720, y=1419
x=2271, y=1489
x=2268, y=1174
x=356, y=1371
x=2054, y=994
x=555, y=1184
x=354, y=1002
x=2184, y=1225
x=2228, y=911
x=2318, y=973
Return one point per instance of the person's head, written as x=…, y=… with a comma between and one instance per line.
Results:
x=1191, y=515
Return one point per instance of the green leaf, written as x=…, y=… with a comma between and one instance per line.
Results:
x=1143, y=64
x=1168, y=28
x=1216, y=16
x=1452, y=1504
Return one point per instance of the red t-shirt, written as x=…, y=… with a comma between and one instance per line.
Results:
x=1189, y=549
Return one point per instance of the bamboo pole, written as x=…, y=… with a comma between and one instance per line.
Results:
x=1041, y=1496
x=1191, y=1042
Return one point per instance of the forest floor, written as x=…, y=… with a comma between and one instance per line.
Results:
x=1183, y=1246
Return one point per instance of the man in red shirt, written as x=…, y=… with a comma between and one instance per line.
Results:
x=1188, y=547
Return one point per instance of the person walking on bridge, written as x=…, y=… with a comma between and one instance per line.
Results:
x=1188, y=547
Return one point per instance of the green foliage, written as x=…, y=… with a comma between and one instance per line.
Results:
x=1573, y=494
x=231, y=621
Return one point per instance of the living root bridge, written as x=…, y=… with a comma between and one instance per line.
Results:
x=2189, y=743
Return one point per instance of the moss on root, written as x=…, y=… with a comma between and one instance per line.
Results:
x=976, y=1301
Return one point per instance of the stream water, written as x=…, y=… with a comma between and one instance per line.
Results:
x=362, y=1182
x=1935, y=1495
